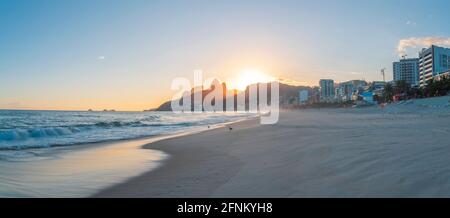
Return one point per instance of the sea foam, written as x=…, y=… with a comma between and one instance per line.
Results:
x=36, y=129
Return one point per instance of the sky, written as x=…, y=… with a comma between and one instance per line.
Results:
x=123, y=55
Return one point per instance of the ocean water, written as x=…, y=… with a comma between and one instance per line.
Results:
x=55, y=154
x=21, y=129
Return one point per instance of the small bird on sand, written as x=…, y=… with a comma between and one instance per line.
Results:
x=230, y=128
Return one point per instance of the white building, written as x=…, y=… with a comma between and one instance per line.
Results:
x=433, y=61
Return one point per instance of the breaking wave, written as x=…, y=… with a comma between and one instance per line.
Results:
x=36, y=129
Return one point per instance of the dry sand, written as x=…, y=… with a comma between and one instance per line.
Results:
x=401, y=151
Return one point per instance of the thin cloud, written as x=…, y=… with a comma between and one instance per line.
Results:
x=411, y=23
x=292, y=82
x=335, y=72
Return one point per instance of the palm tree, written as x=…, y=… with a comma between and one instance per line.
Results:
x=446, y=84
x=435, y=87
x=388, y=92
x=402, y=87
x=438, y=87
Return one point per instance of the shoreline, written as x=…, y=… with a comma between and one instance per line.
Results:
x=84, y=169
x=176, y=159
x=312, y=153
x=76, y=171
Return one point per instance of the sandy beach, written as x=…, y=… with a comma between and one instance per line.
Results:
x=401, y=151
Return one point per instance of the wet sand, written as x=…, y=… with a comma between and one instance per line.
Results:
x=74, y=171
x=395, y=152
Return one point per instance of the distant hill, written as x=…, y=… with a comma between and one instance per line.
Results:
x=287, y=95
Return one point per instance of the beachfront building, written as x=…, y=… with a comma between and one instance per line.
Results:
x=346, y=90
x=338, y=93
x=314, y=95
x=303, y=96
x=367, y=97
x=327, y=91
x=377, y=85
x=442, y=75
x=407, y=70
x=433, y=62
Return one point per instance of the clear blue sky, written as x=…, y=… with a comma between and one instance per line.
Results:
x=74, y=54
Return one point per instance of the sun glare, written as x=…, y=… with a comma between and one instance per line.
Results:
x=250, y=76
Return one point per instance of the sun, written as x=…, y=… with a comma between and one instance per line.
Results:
x=250, y=76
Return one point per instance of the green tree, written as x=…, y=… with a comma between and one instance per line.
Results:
x=438, y=87
x=402, y=87
x=388, y=92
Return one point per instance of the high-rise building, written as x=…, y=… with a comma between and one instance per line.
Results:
x=407, y=70
x=433, y=61
x=326, y=89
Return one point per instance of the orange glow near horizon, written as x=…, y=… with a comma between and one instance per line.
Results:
x=250, y=76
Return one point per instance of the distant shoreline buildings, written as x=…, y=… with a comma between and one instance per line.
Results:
x=346, y=91
x=353, y=90
x=431, y=63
